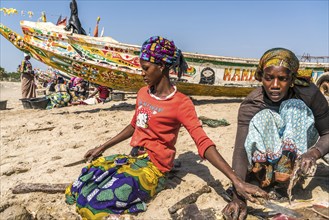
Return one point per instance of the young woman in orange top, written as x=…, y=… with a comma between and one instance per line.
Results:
x=123, y=183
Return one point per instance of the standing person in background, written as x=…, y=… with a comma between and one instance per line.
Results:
x=284, y=120
x=27, y=78
x=122, y=184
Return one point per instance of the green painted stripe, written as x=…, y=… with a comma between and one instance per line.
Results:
x=215, y=62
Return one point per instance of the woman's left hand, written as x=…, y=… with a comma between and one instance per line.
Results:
x=249, y=191
x=308, y=160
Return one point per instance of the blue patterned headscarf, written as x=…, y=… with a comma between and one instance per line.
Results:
x=160, y=50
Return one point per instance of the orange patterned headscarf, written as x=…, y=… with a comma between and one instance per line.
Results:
x=286, y=58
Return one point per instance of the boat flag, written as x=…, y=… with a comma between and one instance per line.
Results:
x=96, y=28
x=43, y=17
x=9, y=11
x=30, y=13
x=102, y=32
x=13, y=11
x=59, y=20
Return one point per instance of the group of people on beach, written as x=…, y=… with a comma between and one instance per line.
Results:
x=59, y=91
x=76, y=91
x=284, y=121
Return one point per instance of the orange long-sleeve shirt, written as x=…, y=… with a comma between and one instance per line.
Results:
x=157, y=123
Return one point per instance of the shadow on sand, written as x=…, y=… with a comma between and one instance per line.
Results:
x=189, y=164
x=116, y=107
x=217, y=100
x=123, y=106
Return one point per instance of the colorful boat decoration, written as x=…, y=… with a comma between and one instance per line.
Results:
x=105, y=61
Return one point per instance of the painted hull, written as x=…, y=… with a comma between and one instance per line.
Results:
x=105, y=61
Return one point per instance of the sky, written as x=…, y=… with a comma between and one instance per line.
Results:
x=224, y=28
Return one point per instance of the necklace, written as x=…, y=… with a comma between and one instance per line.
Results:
x=163, y=97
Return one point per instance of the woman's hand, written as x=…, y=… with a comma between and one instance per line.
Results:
x=94, y=153
x=308, y=161
x=237, y=209
x=249, y=191
x=243, y=189
x=126, y=133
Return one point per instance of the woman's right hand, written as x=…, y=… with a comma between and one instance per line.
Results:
x=94, y=153
x=249, y=191
x=237, y=209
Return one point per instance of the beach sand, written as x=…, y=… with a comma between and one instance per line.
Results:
x=36, y=144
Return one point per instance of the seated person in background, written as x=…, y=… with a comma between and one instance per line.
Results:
x=80, y=91
x=45, y=84
x=76, y=81
x=50, y=87
x=284, y=120
x=104, y=93
x=61, y=97
x=71, y=82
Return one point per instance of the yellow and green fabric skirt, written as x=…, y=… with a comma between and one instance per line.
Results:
x=58, y=99
x=116, y=184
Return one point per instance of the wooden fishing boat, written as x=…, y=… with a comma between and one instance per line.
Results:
x=105, y=61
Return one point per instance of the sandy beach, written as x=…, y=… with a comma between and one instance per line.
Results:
x=36, y=144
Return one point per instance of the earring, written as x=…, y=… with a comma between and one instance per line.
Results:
x=292, y=85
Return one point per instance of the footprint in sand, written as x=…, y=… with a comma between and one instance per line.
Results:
x=21, y=167
x=56, y=158
x=77, y=127
x=16, y=170
x=16, y=212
